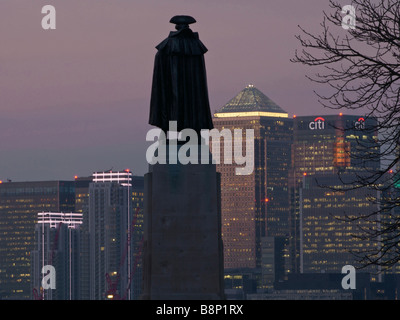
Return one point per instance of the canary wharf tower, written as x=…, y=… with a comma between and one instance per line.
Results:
x=256, y=205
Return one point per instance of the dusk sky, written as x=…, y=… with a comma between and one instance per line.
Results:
x=76, y=99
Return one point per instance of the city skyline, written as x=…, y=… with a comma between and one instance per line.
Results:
x=155, y=220
x=76, y=99
x=23, y=199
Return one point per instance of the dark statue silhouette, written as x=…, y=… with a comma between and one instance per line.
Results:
x=179, y=88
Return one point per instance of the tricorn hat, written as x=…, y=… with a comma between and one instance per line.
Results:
x=182, y=20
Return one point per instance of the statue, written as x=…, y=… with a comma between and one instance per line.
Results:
x=183, y=249
x=179, y=88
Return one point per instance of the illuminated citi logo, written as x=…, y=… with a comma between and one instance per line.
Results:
x=359, y=124
x=317, y=124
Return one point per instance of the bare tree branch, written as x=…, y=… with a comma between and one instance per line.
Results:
x=361, y=69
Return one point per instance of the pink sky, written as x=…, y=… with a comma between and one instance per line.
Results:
x=76, y=99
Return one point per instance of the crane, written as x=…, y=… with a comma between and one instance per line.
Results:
x=134, y=268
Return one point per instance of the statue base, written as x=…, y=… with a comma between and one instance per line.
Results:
x=183, y=251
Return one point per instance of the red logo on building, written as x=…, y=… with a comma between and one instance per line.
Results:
x=359, y=124
x=317, y=124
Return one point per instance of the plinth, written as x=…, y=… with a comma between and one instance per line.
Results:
x=183, y=251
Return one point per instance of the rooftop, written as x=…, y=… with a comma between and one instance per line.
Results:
x=251, y=102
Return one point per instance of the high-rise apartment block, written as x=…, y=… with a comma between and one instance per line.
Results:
x=115, y=224
x=57, y=245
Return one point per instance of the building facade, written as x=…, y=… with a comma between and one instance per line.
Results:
x=57, y=245
x=254, y=205
x=82, y=206
x=329, y=154
x=329, y=240
x=115, y=224
x=20, y=203
x=333, y=143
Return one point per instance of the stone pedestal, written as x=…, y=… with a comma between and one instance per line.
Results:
x=183, y=251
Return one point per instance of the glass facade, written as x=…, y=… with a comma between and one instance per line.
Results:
x=115, y=264
x=20, y=203
x=137, y=237
x=329, y=240
x=107, y=230
x=57, y=243
x=333, y=143
x=325, y=147
x=256, y=205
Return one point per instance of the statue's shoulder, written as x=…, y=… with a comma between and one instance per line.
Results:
x=184, y=42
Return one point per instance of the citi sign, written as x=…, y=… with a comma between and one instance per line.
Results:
x=359, y=124
x=317, y=124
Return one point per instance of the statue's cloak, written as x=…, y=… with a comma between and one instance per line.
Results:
x=179, y=88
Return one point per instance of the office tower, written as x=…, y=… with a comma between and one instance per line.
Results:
x=328, y=151
x=327, y=241
x=137, y=236
x=389, y=217
x=20, y=203
x=332, y=144
x=273, y=260
x=82, y=193
x=57, y=244
x=115, y=231
x=254, y=205
x=107, y=230
x=82, y=206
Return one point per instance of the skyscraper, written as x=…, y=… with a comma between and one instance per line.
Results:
x=82, y=206
x=137, y=236
x=255, y=205
x=115, y=230
x=107, y=230
x=20, y=203
x=57, y=244
x=328, y=240
x=332, y=144
x=328, y=153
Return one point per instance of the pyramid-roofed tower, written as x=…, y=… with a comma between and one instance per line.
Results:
x=253, y=206
x=251, y=102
